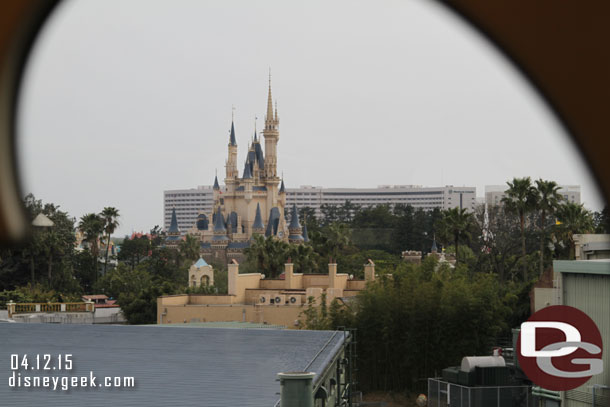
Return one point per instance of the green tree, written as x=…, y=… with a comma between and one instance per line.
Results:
x=573, y=219
x=520, y=199
x=547, y=202
x=189, y=248
x=110, y=217
x=92, y=226
x=266, y=255
x=602, y=220
x=456, y=224
x=303, y=257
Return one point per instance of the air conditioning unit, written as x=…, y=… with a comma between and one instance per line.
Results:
x=294, y=300
x=277, y=299
x=264, y=299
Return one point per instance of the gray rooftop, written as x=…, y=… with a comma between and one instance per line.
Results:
x=172, y=366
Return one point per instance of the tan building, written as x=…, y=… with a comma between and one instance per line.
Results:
x=201, y=274
x=254, y=298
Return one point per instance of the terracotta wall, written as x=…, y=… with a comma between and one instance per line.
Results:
x=210, y=299
x=356, y=284
x=315, y=280
x=274, y=315
x=272, y=284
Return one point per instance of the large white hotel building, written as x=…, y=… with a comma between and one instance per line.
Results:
x=189, y=202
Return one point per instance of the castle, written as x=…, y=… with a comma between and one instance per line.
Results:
x=253, y=204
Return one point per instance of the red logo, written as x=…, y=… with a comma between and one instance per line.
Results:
x=560, y=348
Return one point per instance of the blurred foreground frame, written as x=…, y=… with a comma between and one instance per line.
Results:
x=560, y=47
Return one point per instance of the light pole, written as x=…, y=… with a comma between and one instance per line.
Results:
x=40, y=222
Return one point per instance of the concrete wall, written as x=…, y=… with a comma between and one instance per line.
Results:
x=108, y=316
x=592, y=246
x=544, y=297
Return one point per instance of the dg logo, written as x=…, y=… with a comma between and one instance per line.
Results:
x=560, y=348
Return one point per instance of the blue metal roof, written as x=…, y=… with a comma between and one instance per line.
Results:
x=232, y=139
x=274, y=221
x=238, y=245
x=173, y=226
x=171, y=366
x=258, y=219
x=216, y=186
x=260, y=157
x=201, y=263
x=294, y=221
x=205, y=245
x=247, y=171
x=219, y=223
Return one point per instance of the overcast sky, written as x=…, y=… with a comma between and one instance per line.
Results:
x=125, y=99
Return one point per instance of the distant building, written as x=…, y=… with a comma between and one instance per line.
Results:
x=495, y=193
x=190, y=202
x=426, y=198
x=592, y=246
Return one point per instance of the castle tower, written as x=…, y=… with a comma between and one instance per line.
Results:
x=220, y=231
x=231, y=166
x=173, y=233
x=295, y=232
x=272, y=135
x=258, y=227
x=282, y=194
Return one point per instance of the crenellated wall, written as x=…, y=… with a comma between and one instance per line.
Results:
x=245, y=290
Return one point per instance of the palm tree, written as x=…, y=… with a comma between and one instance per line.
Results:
x=189, y=248
x=337, y=238
x=303, y=257
x=456, y=222
x=267, y=255
x=520, y=199
x=92, y=226
x=110, y=217
x=547, y=202
x=573, y=219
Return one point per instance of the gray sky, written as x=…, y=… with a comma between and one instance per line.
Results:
x=124, y=99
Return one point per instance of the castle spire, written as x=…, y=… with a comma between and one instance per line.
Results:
x=257, y=226
x=269, y=117
x=173, y=226
x=216, y=186
x=220, y=231
x=294, y=229
x=232, y=138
